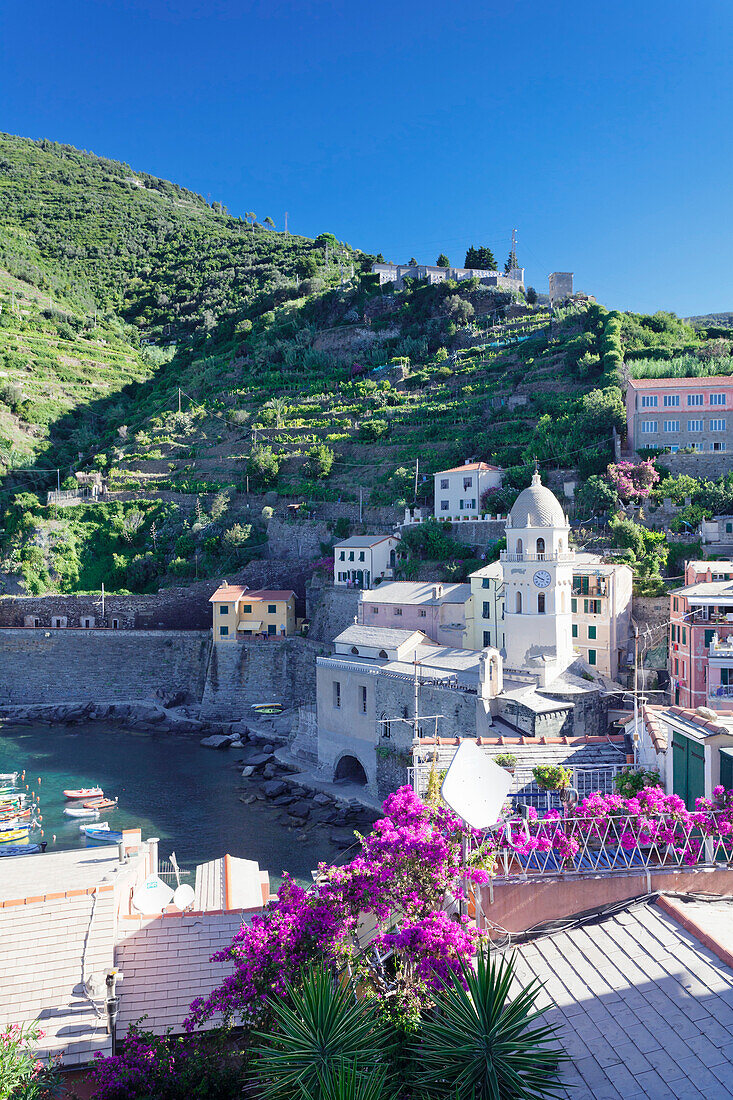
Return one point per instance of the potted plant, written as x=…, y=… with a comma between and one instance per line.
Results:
x=552, y=777
x=506, y=760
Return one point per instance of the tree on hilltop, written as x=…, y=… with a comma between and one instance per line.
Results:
x=270, y=222
x=481, y=259
x=442, y=260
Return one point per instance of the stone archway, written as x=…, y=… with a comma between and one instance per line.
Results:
x=351, y=770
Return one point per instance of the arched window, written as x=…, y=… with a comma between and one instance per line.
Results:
x=540, y=547
x=559, y=546
x=520, y=548
x=541, y=603
x=562, y=602
x=519, y=603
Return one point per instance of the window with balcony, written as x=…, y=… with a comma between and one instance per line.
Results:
x=540, y=547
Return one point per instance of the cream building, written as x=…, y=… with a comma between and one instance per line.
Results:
x=538, y=579
x=458, y=491
x=485, y=608
x=363, y=559
x=601, y=613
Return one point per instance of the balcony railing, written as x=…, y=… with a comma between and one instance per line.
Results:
x=524, y=789
x=567, y=557
x=720, y=691
x=607, y=845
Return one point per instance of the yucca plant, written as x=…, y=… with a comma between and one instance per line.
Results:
x=320, y=1029
x=482, y=1044
x=352, y=1083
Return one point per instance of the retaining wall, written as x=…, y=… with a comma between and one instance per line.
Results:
x=242, y=673
x=79, y=666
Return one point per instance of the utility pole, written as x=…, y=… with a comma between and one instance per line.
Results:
x=179, y=398
x=102, y=601
x=286, y=223
x=361, y=496
x=636, y=693
x=417, y=468
x=58, y=481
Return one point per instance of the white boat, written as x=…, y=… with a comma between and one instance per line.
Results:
x=99, y=825
x=74, y=811
x=9, y=777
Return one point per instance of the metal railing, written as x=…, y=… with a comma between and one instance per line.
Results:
x=723, y=691
x=621, y=844
x=526, y=556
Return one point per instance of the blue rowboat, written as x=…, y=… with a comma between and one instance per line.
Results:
x=21, y=849
x=102, y=836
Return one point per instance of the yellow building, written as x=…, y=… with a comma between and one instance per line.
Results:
x=240, y=613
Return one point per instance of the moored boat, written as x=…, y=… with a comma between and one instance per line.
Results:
x=79, y=811
x=14, y=836
x=100, y=804
x=82, y=793
x=21, y=849
x=102, y=836
x=9, y=778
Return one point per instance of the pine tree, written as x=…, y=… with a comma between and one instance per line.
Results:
x=442, y=260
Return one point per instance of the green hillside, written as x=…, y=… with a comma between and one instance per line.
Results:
x=149, y=334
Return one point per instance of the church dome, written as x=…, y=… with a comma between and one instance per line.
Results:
x=537, y=506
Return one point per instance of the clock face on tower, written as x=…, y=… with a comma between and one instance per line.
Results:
x=542, y=579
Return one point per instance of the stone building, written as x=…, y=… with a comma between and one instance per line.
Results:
x=561, y=286
x=397, y=273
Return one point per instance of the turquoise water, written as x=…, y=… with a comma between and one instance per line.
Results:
x=172, y=788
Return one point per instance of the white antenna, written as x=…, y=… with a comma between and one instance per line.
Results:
x=475, y=787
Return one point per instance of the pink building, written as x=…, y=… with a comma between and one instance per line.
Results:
x=701, y=637
x=439, y=610
x=677, y=413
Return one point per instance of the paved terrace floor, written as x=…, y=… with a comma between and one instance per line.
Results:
x=645, y=1010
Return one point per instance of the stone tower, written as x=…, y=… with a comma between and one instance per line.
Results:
x=538, y=581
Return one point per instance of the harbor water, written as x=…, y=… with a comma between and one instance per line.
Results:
x=172, y=788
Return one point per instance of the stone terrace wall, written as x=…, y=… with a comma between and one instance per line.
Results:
x=282, y=670
x=170, y=609
x=330, y=610
x=75, y=666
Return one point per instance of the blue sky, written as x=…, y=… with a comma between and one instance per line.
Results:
x=600, y=131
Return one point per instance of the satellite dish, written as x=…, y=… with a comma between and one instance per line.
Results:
x=152, y=896
x=475, y=787
x=183, y=897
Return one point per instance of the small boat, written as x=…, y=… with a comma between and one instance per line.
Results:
x=21, y=849
x=82, y=793
x=100, y=825
x=102, y=836
x=267, y=708
x=103, y=804
x=12, y=836
x=79, y=811
x=10, y=778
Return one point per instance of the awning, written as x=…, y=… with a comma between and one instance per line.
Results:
x=246, y=624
